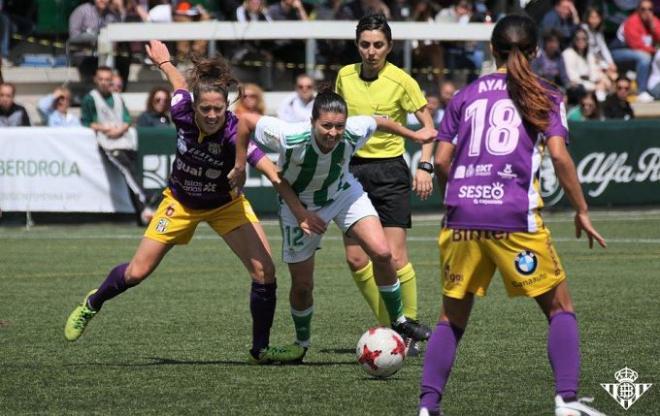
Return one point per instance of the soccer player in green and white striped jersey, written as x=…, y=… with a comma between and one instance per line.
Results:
x=314, y=158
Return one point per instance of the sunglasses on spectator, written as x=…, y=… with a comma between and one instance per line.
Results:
x=304, y=87
x=622, y=87
x=250, y=96
x=160, y=99
x=646, y=9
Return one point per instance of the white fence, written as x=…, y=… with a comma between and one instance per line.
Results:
x=309, y=31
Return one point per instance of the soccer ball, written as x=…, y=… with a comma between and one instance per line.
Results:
x=381, y=351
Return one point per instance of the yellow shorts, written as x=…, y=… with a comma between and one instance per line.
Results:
x=528, y=262
x=173, y=223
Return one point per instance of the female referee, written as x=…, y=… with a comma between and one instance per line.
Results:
x=499, y=125
x=198, y=190
x=376, y=87
x=314, y=159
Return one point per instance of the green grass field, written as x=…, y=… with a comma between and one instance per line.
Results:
x=176, y=345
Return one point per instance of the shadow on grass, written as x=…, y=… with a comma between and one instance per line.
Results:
x=338, y=351
x=160, y=361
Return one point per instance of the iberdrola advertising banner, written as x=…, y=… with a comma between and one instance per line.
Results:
x=57, y=170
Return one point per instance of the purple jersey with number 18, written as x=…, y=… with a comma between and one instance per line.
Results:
x=493, y=181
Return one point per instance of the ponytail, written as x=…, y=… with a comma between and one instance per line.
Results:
x=526, y=92
x=328, y=101
x=211, y=74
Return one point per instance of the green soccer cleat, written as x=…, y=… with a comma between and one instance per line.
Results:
x=79, y=319
x=289, y=354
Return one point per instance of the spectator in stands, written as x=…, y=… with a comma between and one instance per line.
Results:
x=85, y=24
x=436, y=103
x=117, y=83
x=61, y=116
x=549, y=64
x=616, y=104
x=426, y=52
x=16, y=17
x=298, y=105
x=563, y=17
x=433, y=105
x=252, y=11
x=587, y=110
x=251, y=101
x=258, y=51
x=5, y=35
x=581, y=66
x=289, y=51
x=636, y=42
x=161, y=12
x=158, y=109
x=593, y=24
x=11, y=114
x=187, y=12
x=357, y=9
x=654, y=79
x=461, y=55
x=46, y=104
x=447, y=90
x=104, y=112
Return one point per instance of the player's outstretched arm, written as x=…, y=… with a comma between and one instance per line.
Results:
x=246, y=125
x=421, y=136
x=160, y=56
x=565, y=171
x=309, y=222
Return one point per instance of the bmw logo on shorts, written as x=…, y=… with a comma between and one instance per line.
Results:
x=526, y=262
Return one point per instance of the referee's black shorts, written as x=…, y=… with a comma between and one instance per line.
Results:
x=387, y=181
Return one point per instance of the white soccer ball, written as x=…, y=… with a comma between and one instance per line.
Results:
x=381, y=351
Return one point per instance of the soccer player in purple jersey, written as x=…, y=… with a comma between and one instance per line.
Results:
x=490, y=145
x=198, y=190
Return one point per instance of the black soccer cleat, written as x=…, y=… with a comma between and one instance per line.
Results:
x=412, y=329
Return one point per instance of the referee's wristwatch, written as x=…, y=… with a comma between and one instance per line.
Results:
x=426, y=167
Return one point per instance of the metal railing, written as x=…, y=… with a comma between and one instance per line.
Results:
x=309, y=31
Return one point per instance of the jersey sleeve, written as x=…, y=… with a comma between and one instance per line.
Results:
x=557, y=117
x=182, y=110
x=412, y=98
x=451, y=120
x=270, y=133
x=358, y=130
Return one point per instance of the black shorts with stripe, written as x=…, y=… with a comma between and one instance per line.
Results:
x=387, y=181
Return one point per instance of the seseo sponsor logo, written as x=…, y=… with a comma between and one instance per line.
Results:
x=601, y=169
x=483, y=194
x=32, y=168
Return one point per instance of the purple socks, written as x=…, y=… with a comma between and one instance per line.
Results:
x=262, y=306
x=564, y=353
x=438, y=361
x=112, y=286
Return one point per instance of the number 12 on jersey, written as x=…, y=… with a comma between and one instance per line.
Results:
x=501, y=129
